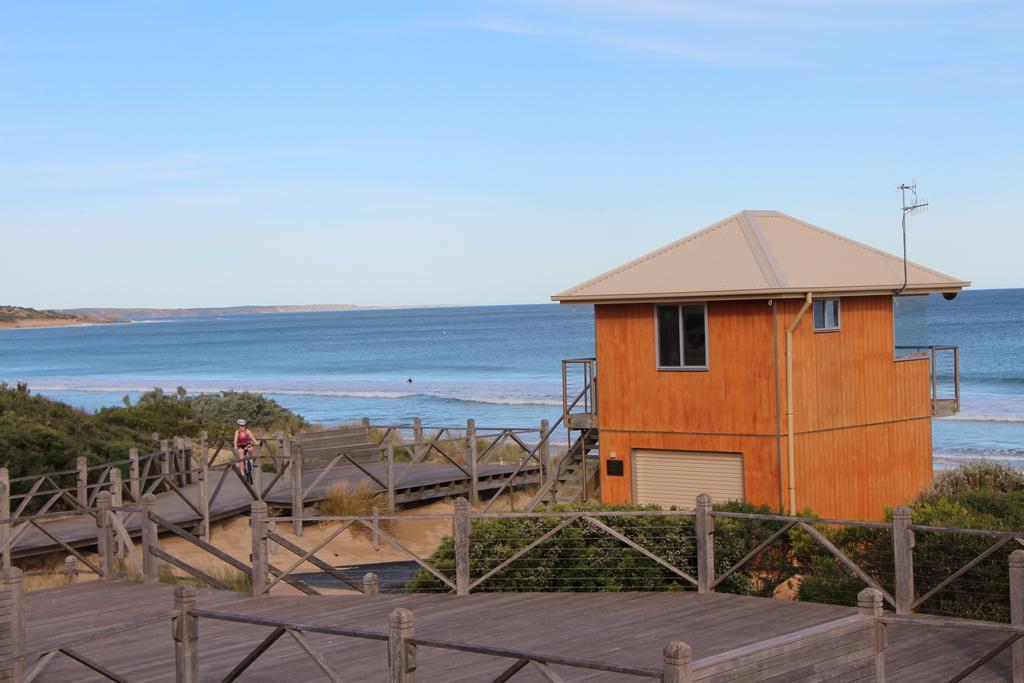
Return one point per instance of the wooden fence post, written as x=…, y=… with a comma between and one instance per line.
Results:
x=178, y=460
x=165, y=464
x=150, y=540
x=471, y=454
x=104, y=535
x=375, y=539
x=294, y=454
x=903, y=559
x=5, y=510
x=133, y=475
x=366, y=427
x=12, y=628
x=402, y=654
x=544, y=451
x=869, y=604
x=460, y=537
x=185, y=629
x=190, y=459
x=183, y=447
x=417, y=429
x=704, y=529
x=271, y=545
x=117, y=500
x=389, y=474
x=70, y=569
x=204, y=493
x=678, y=663
x=257, y=472
x=371, y=584
x=204, y=444
x=82, y=480
x=258, y=522
x=1017, y=611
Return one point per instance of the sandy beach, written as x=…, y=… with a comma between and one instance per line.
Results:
x=350, y=547
x=43, y=323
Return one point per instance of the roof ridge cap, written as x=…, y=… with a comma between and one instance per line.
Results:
x=762, y=251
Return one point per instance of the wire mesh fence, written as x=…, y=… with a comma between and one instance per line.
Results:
x=962, y=575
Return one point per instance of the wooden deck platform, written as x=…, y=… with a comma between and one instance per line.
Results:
x=416, y=483
x=620, y=628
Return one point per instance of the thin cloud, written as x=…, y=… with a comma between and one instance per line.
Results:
x=666, y=48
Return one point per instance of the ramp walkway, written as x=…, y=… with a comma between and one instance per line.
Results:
x=195, y=485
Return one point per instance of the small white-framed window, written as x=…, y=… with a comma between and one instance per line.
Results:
x=826, y=315
x=681, y=336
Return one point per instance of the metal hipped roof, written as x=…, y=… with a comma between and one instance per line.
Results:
x=758, y=254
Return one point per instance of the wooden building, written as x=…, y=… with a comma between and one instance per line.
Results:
x=755, y=360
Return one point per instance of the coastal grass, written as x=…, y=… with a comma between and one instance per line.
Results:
x=981, y=475
x=234, y=579
x=347, y=500
x=50, y=577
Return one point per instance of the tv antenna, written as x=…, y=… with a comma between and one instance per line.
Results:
x=915, y=206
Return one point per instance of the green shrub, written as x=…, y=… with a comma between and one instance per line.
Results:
x=582, y=557
x=982, y=475
x=39, y=435
x=216, y=413
x=982, y=593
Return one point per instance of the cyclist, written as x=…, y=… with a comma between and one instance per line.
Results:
x=244, y=441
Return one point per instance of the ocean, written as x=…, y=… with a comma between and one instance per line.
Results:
x=497, y=364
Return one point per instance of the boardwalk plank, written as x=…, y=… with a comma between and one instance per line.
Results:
x=622, y=628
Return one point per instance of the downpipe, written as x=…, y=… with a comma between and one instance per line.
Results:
x=789, y=401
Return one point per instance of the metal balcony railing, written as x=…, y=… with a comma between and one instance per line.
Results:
x=579, y=393
x=944, y=373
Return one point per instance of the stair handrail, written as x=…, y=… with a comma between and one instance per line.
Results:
x=533, y=453
x=548, y=485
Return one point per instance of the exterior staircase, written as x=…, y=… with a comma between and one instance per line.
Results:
x=575, y=476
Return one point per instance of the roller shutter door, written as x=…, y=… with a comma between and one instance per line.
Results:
x=676, y=477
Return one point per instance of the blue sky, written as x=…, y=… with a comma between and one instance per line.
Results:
x=222, y=153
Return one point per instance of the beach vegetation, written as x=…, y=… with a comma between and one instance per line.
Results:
x=349, y=500
x=583, y=557
x=39, y=435
x=353, y=500
x=980, y=475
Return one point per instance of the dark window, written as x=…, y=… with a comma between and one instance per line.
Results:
x=826, y=315
x=682, y=336
x=668, y=336
x=695, y=346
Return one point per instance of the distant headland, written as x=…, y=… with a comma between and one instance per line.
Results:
x=18, y=316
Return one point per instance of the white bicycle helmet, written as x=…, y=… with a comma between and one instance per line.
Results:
x=241, y=423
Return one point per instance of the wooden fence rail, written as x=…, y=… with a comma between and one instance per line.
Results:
x=206, y=467
x=112, y=532
x=114, y=540
x=402, y=645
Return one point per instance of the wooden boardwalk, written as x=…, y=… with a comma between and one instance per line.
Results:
x=421, y=482
x=620, y=628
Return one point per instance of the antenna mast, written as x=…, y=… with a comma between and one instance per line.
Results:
x=915, y=206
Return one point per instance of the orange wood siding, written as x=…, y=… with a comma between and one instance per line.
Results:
x=635, y=395
x=862, y=419
x=850, y=377
x=857, y=473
